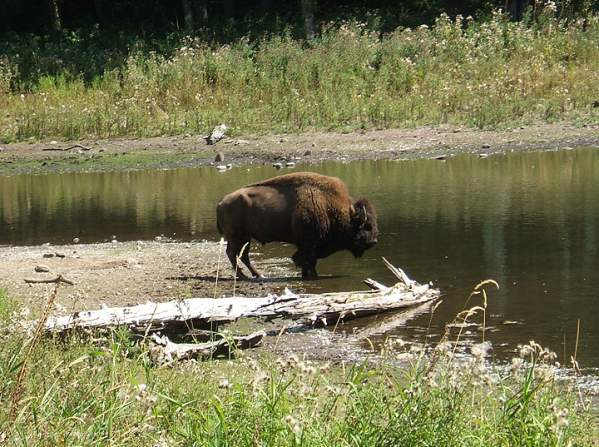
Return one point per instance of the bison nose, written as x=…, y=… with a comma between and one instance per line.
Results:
x=375, y=241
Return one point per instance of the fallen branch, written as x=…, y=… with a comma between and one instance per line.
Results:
x=308, y=309
x=165, y=351
x=68, y=148
x=56, y=280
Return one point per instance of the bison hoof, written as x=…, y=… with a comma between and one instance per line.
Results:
x=309, y=274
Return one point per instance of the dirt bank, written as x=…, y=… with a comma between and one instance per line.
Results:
x=168, y=152
x=119, y=274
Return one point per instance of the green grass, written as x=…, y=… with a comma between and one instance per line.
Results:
x=490, y=74
x=79, y=393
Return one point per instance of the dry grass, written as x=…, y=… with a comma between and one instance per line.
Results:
x=80, y=393
x=490, y=74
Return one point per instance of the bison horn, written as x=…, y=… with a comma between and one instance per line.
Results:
x=359, y=210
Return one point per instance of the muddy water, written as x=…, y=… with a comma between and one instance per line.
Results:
x=530, y=221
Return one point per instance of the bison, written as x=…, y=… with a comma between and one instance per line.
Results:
x=312, y=211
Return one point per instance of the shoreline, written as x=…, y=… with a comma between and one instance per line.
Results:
x=302, y=149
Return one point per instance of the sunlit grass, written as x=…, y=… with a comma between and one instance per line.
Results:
x=111, y=393
x=488, y=75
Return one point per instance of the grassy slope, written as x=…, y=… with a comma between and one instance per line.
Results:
x=487, y=75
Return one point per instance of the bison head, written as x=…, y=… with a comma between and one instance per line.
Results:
x=365, y=231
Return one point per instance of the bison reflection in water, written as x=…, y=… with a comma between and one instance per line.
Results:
x=312, y=211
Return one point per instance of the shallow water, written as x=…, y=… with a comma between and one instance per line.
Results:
x=528, y=220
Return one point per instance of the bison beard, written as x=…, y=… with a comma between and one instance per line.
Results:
x=312, y=211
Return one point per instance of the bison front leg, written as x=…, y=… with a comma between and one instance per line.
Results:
x=306, y=259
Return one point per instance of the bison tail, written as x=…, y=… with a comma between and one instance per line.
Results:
x=219, y=216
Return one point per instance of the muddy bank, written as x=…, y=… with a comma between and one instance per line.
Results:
x=127, y=273
x=181, y=151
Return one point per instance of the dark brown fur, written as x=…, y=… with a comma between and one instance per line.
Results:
x=312, y=211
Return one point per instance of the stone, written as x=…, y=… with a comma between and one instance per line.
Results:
x=277, y=165
x=60, y=255
x=217, y=134
x=220, y=157
x=41, y=269
x=48, y=255
x=308, y=152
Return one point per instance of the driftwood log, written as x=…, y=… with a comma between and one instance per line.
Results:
x=165, y=351
x=325, y=309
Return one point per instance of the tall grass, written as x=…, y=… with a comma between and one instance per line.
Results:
x=484, y=74
x=77, y=393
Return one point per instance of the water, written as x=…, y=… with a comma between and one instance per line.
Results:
x=530, y=221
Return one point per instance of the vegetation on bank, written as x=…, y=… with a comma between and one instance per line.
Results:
x=494, y=73
x=74, y=392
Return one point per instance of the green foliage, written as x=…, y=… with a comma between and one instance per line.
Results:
x=76, y=393
x=485, y=74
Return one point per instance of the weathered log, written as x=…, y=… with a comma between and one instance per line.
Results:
x=326, y=308
x=165, y=351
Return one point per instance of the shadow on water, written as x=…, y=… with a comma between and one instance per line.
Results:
x=530, y=221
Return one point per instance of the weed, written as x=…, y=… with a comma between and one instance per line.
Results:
x=488, y=74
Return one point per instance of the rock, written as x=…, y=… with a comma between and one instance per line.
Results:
x=220, y=157
x=75, y=240
x=308, y=152
x=441, y=157
x=595, y=104
x=1, y=149
x=483, y=155
x=290, y=164
x=217, y=134
x=221, y=168
x=41, y=269
x=229, y=166
x=486, y=146
x=60, y=255
x=158, y=238
x=48, y=255
x=277, y=165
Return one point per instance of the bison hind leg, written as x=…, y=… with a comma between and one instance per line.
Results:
x=245, y=257
x=233, y=249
